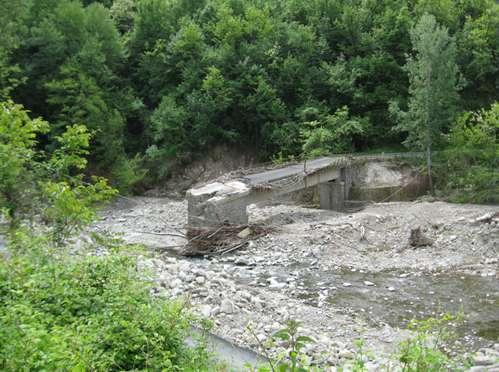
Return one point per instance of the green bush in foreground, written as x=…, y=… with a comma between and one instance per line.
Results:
x=91, y=313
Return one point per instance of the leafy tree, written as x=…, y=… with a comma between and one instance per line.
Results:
x=433, y=77
x=240, y=71
x=79, y=99
x=33, y=183
x=326, y=134
x=469, y=163
x=12, y=17
x=18, y=156
x=123, y=13
x=478, y=43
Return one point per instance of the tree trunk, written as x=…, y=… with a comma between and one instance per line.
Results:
x=428, y=168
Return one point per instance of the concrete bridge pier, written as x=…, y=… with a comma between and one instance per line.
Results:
x=215, y=204
x=332, y=195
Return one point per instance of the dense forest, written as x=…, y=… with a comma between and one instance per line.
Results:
x=114, y=96
x=158, y=82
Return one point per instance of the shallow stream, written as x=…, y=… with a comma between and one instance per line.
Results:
x=395, y=297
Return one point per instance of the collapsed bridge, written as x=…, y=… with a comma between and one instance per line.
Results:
x=225, y=202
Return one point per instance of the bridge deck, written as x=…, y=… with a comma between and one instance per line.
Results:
x=291, y=170
x=310, y=166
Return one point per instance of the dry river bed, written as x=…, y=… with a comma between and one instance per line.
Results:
x=343, y=275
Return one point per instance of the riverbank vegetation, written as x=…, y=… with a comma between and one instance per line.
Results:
x=65, y=307
x=159, y=83
x=61, y=312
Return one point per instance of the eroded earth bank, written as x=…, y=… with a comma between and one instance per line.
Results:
x=343, y=275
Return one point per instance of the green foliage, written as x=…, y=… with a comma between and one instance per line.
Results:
x=87, y=313
x=359, y=363
x=294, y=360
x=71, y=205
x=32, y=183
x=433, y=74
x=478, y=45
x=128, y=173
x=468, y=170
x=294, y=343
x=169, y=79
x=423, y=351
x=433, y=85
x=79, y=100
x=18, y=158
x=73, y=147
x=123, y=13
x=325, y=134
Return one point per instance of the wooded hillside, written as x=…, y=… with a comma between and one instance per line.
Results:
x=160, y=81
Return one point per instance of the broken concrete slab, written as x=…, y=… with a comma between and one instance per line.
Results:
x=225, y=202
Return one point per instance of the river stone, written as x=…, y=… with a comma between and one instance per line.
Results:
x=200, y=280
x=346, y=354
x=244, y=233
x=226, y=306
x=261, y=337
x=478, y=369
x=242, y=261
x=372, y=367
x=368, y=283
x=482, y=360
x=205, y=310
x=175, y=283
x=277, y=285
x=173, y=268
x=170, y=260
x=346, y=284
x=246, y=295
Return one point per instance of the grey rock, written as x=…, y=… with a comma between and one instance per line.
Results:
x=482, y=360
x=243, y=234
x=277, y=285
x=205, y=310
x=175, y=283
x=478, y=369
x=346, y=354
x=226, y=306
x=246, y=295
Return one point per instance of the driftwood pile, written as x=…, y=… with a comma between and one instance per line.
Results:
x=418, y=239
x=222, y=239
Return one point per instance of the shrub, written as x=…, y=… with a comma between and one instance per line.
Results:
x=128, y=173
x=92, y=313
x=18, y=139
x=424, y=351
x=469, y=169
x=293, y=359
x=32, y=183
x=323, y=134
